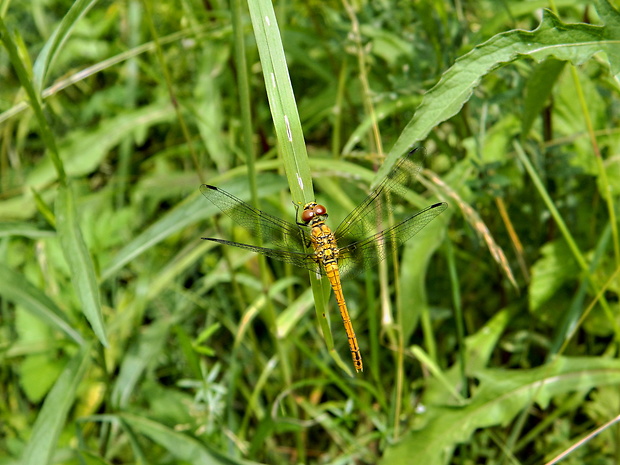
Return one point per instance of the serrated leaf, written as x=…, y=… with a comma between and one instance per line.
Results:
x=502, y=394
x=553, y=38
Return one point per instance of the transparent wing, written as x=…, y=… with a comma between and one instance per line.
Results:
x=271, y=229
x=365, y=219
x=367, y=252
x=302, y=260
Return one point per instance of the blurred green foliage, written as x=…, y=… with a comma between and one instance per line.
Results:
x=125, y=338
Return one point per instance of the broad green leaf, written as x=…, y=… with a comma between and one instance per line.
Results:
x=79, y=260
x=52, y=417
x=37, y=375
x=539, y=85
x=480, y=346
x=501, y=395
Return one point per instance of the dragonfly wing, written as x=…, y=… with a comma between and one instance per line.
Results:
x=367, y=252
x=302, y=260
x=271, y=229
x=365, y=218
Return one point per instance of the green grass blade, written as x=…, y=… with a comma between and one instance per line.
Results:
x=182, y=446
x=35, y=101
x=24, y=229
x=282, y=100
x=51, y=419
x=16, y=288
x=79, y=260
x=55, y=43
x=287, y=123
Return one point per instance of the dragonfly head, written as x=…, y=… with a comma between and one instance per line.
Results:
x=312, y=210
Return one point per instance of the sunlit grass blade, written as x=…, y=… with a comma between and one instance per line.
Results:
x=281, y=100
x=286, y=120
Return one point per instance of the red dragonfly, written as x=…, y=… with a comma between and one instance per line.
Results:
x=354, y=245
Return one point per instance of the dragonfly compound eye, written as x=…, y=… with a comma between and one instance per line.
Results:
x=320, y=210
x=307, y=215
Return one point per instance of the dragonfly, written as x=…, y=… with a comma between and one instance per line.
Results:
x=354, y=245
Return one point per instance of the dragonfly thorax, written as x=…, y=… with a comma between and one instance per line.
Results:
x=312, y=210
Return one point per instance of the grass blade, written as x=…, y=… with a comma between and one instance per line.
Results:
x=79, y=260
x=51, y=419
x=55, y=43
x=16, y=288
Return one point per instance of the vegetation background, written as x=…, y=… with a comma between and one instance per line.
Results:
x=124, y=338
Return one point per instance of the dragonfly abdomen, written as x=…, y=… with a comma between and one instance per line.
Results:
x=333, y=274
x=326, y=250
